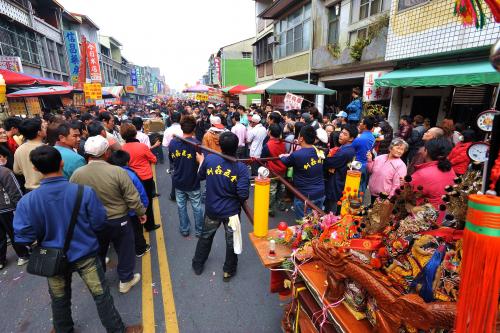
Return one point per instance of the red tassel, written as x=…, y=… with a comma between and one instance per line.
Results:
x=495, y=8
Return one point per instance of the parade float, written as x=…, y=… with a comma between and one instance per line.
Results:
x=397, y=265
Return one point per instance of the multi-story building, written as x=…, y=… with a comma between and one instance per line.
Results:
x=113, y=66
x=32, y=31
x=263, y=45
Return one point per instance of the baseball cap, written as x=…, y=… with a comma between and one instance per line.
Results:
x=96, y=145
x=216, y=122
x=255, y=118
x=306, y=116
x=342, y=114
x=211, y=106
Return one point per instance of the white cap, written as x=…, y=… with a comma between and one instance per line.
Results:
x=255, y=118
x=211, y=106
x=322, y=135
x=214, y=120
x=96, y=145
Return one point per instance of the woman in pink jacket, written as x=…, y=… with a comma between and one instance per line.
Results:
x=432, y=176
x=387, y=170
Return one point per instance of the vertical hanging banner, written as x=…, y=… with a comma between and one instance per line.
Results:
x=133, y=76
x=140, y=78
x=93, y=61
x=218, y=70
x=73, y=52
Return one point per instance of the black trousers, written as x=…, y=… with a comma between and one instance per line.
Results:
x=140, y=241
x=149, y=187
x=205, y=244
x=6, y=228
x=331, y=206
x=121, y=234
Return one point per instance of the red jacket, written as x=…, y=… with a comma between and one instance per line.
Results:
x=141, y=158
x=274, y=148
x=459, y=158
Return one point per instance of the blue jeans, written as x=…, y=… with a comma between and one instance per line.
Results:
x=195, y=197
x=299, y=206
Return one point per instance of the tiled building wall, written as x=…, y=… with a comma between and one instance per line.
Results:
x=432, y=28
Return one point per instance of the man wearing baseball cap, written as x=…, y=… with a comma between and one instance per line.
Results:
x=211, y=138
x=255, y=137
x=118, y=195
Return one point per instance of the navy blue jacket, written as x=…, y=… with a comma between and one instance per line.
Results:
x=307, y=172
x=140, y=188
x=335, y=182
x=228, y=186
x=45, y=213
x=183, y=156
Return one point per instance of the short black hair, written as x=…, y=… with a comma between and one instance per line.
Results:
x=30, y=127
x=275, y=117
x=351, y=129
x=105, y=116
x=46, y=159
x=275, y=130
x=228, y=143
x=86, y=116
x=188, y=124
x=309, y=134
x=95, y=128
x=176, y=117
x=240, y=107
x=369, y=122
x=12, y=122
x=119, y=158
x=63, y=129
x=138, y=123
x=4, y=151
x=76, y=124
x=236, y=116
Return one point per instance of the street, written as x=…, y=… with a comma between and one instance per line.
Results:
x=170, y=297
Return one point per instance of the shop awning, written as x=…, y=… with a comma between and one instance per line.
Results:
x=284, y=86
x=456, y=74
x=199, y=88
x=41, y=91
x=116, y=91
x=21, y=79
x=234, y=90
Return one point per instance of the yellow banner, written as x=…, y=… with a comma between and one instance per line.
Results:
x=92, y=90
x=201, y=97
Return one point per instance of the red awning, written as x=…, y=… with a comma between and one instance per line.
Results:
x=21, y=79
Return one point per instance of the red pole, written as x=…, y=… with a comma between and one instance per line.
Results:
x=82, y=71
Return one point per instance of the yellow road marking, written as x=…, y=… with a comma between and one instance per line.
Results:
x=170, y=313
x=148, y=311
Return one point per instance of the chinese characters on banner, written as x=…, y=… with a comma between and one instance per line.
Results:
x=130, y=89
x=11, y=63
x=72, y=49
x=133, y=76
x=17, y=106
x=92, y=91
x=293, y=102
x=93, y=61
x=201, y=97
x=33, y=105
x=139, y=77
x=218, y=70
x=370, y=93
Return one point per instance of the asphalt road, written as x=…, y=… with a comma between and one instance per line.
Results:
x=170, y=297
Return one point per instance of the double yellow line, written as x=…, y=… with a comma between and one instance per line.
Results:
x=148, y=313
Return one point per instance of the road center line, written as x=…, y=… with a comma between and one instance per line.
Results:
x=148, y=313
x=170, y=313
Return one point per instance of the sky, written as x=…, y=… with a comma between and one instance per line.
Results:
x=177, y=36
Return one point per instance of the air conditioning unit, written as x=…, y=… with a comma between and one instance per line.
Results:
x=273, y=40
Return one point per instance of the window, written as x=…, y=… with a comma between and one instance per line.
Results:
x=52, y=55
x=20, y=42
x=246, y=55
x=262, y=51
x=294, y=32
x=368, y=8
x=333, y=24
x=357, y=34
x=62, y=60
x=404, y=4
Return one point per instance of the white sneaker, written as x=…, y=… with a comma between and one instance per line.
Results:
x=126, y=286
x=22, y=261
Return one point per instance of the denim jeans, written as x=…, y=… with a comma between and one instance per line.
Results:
x=205, y=244
x=92, y=274
x=299, y=206
x=182, y=198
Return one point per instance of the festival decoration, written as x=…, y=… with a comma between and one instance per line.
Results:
x=472, y=12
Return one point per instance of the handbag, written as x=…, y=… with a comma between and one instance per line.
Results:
x=49, y=262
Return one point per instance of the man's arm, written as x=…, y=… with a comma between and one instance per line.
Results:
x=11, y=186
x=338, y=160
x=243, y=183
x=17, y=168
x=250, y=135
x=289, y=160
x=24, y=233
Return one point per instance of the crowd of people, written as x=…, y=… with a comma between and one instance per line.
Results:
x=44, y=160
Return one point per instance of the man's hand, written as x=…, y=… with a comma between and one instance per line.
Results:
x=199, y=158
x=143, y=219
x=283, y=155
x=157, y=144
x=369, y=156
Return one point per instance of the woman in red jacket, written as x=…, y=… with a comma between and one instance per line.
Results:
x=141, y=158
x=458, y=156
x=435, y=173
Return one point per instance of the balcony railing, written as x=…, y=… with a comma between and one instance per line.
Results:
x=47, y=30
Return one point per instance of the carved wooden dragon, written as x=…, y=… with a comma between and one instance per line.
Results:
x=394, y=310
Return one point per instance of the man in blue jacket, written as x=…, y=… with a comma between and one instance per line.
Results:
x=355, y=108
x=228, y=185
x=44, y=215
x=363, y=144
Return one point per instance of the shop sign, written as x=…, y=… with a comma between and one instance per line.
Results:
x=100, y=102
x=78, y=99
x=139, y=76
x=293, y=102
x=66, y=101
x=370, y=93
x=130, y=89
x=278, y=101
x=73, y=52
x=201, y=97
x=17, y=106
x=92, y=91
x=218, y=70
x=133, y=76
x=33, y=105
x=111, y=101
x=215, y=97
x=11, y=63
x=93, y=61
